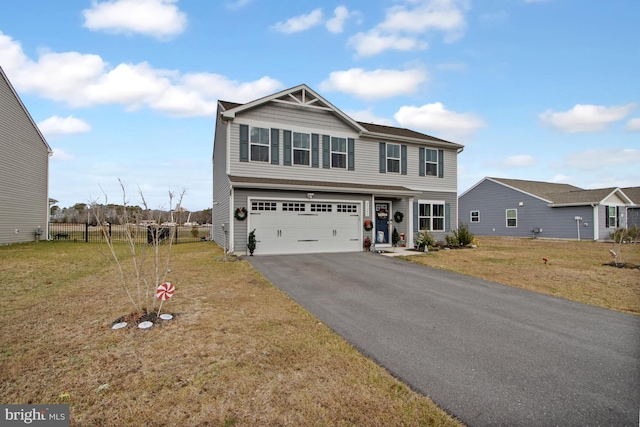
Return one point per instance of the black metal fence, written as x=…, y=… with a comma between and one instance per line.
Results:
x=118, y=233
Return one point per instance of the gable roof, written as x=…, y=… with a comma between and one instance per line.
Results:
x=302, y=95
x=24, y=109
x=559, y=194
x=633, y=193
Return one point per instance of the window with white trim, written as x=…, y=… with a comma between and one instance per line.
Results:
x=259, y=144
x=475, y=216
x=613, y=217
x=512, y=218
x=301, y=149
x=263, y=206
x=430, y=162
x=431, y=216
x=339, y=153
x=393, y=158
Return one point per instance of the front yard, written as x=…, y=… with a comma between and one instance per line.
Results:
x=238, y=352
x=573, y=270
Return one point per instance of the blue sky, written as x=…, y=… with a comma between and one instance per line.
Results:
x=535, y=89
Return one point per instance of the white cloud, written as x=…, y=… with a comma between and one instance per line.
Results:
x=157, y=18
x=403, y=24
x=633, y=125
x=586, y=117
x=375, y=84
x=340, y=16
x=374, y=42
x=83, y=80
x=55, y=125
x=368, y=116
x=520, y=160
x=58, y=154
x=299, y=23
x=436, y=118
x=597, y=158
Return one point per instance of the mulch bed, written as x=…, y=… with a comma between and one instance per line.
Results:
x=136, y=317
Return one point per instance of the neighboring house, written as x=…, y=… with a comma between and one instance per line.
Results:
x=310, y=177
x=24, y=171
x=512, y=207
x=633, y=212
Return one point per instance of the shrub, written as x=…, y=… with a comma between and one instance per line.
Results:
x=425, y=239
x=463, y=235
x=452, y=241
x=395, y=237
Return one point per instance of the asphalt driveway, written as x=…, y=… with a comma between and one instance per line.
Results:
x=487, y=353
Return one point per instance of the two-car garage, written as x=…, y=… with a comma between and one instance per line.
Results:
x=305, y=226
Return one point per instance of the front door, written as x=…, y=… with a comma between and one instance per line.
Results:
x=383, y=210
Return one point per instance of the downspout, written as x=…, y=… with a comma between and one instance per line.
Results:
x=595, y=221
x=231, y=221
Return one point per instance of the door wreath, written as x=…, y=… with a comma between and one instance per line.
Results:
x=368, y=225
x=398, y=216
x=241, y=214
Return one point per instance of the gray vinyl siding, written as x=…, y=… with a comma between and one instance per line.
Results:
x=366, y=170
x=492, y=200
x=24, y=163
x=221, y=184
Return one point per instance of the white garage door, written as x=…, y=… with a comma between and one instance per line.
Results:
x=288, y=227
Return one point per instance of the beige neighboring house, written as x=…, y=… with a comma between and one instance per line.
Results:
x=24, y=171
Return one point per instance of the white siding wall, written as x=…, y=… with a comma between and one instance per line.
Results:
x=24, y=162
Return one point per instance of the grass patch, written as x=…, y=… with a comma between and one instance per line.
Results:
x=574, y=270
x=239, y=352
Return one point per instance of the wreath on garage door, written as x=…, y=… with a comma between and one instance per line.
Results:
x=398, y=216
x=241, y=214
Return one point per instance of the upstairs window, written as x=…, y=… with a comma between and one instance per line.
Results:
x=393, y=158
x=259, y=144
x=475, y=216
x=339, y=153
x=431, y=162
x=512, y=218
x=301, y=149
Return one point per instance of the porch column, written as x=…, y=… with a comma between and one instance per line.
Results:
x=410, y=230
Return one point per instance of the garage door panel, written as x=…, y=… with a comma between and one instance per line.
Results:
x=326, y=226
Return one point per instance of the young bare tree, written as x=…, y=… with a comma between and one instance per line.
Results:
x=141, y=268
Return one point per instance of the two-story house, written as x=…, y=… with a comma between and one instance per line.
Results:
x=308, y=178
x=24, y=171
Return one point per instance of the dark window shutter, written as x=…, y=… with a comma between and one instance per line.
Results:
x=383, y=157
x=403, y=159
x=275, y=146
x=447, y=217
x=286, y=154
x=326, y=157
x=606, y=216
x=421, y=160
x=351, y=154
x=416, y=226
x=315, y=156
x=244, y=143
x=440, y=163
x=617, y=216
